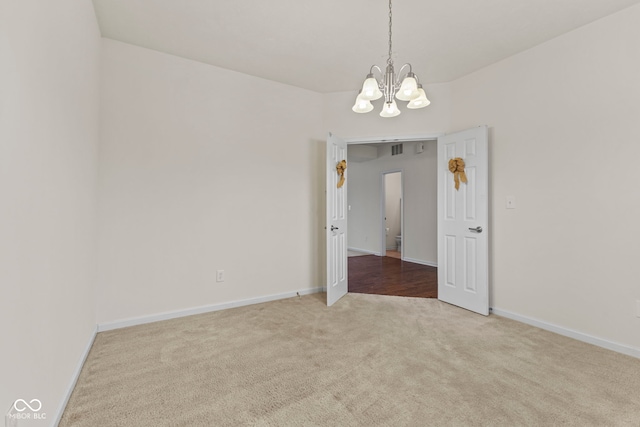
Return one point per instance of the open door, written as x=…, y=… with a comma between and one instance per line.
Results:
x=463, y=220
x=336, y=221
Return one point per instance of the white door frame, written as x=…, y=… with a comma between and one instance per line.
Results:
x=405, y=138
x=421, y=137
x=383, y=209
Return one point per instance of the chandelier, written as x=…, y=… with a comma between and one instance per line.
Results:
x=389, y=85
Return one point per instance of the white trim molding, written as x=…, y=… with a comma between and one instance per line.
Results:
x=108, y=326
x=609, y=345
x=419, y=261
x=74, y=377
x=364, y=251
x=397, y=138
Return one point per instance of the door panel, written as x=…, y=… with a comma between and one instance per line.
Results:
x=337, y=276
x=463, y=249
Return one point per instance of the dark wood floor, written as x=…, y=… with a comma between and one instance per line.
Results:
x=371, y=274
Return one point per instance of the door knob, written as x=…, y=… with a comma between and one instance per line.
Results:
x=478, y=229
x=333, y=228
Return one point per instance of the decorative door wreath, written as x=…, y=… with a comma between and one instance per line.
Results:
x=340, y=168
x=456, y=166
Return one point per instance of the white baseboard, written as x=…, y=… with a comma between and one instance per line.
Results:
x=620, y=348
x=74, y=378
x=108, y=326
x=419, y=261
x=364, y=251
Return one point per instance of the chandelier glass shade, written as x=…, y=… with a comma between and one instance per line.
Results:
x=403, y=86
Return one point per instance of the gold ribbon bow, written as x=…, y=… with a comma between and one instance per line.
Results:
x=456, y=166
x=341, y=167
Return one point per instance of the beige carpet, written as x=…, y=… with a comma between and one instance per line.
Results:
x=367, y=361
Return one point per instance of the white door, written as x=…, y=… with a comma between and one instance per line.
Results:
x=463, y=220
x=336, y=221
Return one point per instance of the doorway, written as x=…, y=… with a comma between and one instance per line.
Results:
x=391, y=197
x=393, y=218
x=462, y=218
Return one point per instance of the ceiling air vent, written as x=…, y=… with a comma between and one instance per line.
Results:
x=396, y=149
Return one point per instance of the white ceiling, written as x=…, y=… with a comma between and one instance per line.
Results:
x=329, y=45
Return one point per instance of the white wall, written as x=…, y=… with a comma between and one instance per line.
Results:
x=419, y=175
x=565, y=142
x=202, y=169
x=49, y=83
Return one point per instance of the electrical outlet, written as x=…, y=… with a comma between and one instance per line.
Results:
x=220, y=276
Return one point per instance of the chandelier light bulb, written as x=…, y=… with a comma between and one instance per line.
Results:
x=362, y=105
x=408, y=89
x=420, y=101
x=370, y=89
x=390, y=109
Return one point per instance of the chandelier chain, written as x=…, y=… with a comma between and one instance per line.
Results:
x=389, y=60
